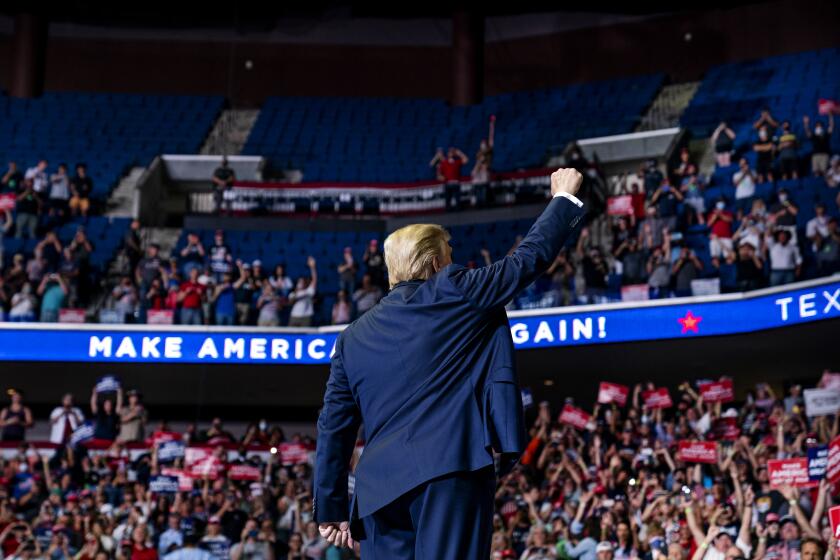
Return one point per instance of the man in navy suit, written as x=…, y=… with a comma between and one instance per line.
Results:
x=429, y=372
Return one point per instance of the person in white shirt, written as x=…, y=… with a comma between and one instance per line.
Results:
x=744, y=180
x=302, y=298
x=723, y=539
x=785, y=260
x=64, y=420
x=59, y=191
x=38, y=175
x=214, y=541
x=24, y=304
x=189, y=551
x=818, y=225
x=753, y=226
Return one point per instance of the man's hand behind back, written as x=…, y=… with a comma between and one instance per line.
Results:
x=566, y=180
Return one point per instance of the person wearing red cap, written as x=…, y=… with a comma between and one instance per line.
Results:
x=214, y=541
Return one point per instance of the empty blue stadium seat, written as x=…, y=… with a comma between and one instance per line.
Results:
x=389, y=139
x=110, y=132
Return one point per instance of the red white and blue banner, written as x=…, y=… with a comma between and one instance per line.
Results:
x=382, y=198
x=683, y=318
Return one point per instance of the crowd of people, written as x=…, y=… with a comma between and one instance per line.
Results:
x=673, y=241
x=209, y=285
x=616, y=488
x=745, y=241
x=46, y=197
x=56, y=276
x=33, y=204
x=75, y=500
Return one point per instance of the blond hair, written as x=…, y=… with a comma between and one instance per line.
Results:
x=410, y=252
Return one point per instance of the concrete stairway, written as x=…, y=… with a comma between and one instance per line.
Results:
x=165, y=237
x=121, y=202
x=666, y=109
x=230, y=132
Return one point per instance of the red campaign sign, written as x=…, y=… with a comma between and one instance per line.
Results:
x=293, y=453
x=185, y=482
x=244, y=472
x=698, y=452
x=7, y=201
x=620, y=205
x=827, y=106
x=791, y=472
x=717, y=391
x=834, y=516
x=160, y=317
x=574, y=416
x=612, y=393
x=832, y=471
x=71, y=315
x=201, y=463
x=635, y=292
x=658, y=398
x=726, y=429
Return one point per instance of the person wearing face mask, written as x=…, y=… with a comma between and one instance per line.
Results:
x=788, y=144
x=820, y=143
x=744, y=180
x=257, y=434
x=764, y=149
x=719, y=221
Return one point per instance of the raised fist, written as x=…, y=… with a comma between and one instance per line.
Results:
x=565, y=180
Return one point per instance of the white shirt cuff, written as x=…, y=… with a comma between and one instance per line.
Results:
x=571, y=197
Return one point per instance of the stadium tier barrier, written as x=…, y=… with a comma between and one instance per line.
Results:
x=373, y=198
x=286, y=453
x=678, y=318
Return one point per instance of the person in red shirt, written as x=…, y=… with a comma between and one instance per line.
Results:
x=719, y=221
x=140, y=549
x=448, y=169
x=190, y=297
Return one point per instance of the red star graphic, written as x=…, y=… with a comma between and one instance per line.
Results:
x=689, y=322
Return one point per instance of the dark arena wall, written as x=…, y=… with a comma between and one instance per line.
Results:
x=80, y=60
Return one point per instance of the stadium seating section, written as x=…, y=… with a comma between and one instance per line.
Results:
x=292, y=247
x=392, y=140
x=109, y=132
x=105, y=234
x=789, y=85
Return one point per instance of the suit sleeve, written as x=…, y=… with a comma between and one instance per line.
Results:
x=338, y=426
x=494, y=285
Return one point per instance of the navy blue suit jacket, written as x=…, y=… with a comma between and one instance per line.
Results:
x=429, y=372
